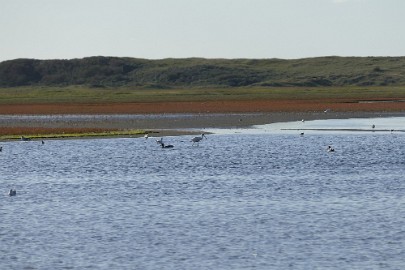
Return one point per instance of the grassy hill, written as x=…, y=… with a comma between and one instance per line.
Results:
x=102, y=72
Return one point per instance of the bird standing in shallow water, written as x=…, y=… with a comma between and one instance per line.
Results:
x=198, y=139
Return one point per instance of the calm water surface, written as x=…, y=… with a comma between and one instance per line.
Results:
x=236, y=201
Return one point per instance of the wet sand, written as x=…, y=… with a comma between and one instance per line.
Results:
x=168, y=124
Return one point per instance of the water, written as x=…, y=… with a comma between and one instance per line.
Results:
x=236, y=201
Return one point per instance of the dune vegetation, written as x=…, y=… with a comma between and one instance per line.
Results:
x=117, y=80
x=112, y=85
x=100, y=72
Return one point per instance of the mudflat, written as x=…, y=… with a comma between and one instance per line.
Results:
x=163, y=116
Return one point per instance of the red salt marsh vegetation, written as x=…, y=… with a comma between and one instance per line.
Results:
x=283, y=104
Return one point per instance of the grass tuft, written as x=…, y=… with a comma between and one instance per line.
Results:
x=53, y=133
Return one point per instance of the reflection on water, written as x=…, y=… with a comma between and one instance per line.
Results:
x=335, y=126
x=237, y=201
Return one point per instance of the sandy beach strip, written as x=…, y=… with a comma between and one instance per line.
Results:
x=171, y=124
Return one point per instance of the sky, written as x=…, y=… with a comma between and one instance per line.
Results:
x=156, y=29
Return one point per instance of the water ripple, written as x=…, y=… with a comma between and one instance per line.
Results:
x=236, y=201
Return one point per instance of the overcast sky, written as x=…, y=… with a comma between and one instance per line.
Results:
x=154, y=29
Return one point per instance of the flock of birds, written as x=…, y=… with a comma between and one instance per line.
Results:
x=197, y=139
x=330, y=148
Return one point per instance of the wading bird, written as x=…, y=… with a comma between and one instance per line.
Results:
x=198, y=138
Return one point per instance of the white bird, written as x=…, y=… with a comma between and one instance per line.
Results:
x=198, y=138
x=146, y=136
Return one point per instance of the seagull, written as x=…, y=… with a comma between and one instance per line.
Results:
x=146, y=136
x=198, y=138
x=330, y=149
x=12, y=192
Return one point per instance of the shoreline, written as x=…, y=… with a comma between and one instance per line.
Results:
x=157, y=125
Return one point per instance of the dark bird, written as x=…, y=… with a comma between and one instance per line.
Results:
x=25, y=139
x=166, y=146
